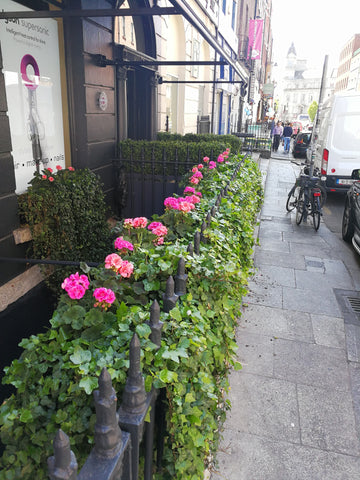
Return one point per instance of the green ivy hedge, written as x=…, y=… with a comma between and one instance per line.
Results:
x=58, y=370
x=172, y=157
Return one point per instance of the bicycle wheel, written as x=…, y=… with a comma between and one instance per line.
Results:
x=300, y=207
x=316, y=212
x=291, y=200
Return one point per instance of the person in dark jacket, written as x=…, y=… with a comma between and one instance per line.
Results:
x=287, y=136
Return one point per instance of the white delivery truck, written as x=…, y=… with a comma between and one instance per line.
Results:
x=337, y=147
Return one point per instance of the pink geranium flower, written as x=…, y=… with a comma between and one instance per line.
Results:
x=171, y=203
x=193, y=199
x=104, y=296
x=212, y=165
x=140, y=222
x=49, y=169
x=189, y=190
x=71, y=169
x=113, y=262
x=76, y=285
x=51, y=179
x=194, y=180
x=123, y=245
x=206, y=159
x=126, y=269
x=128, y=223
x=200, y=166
x=220, y=158
x=194, y=169
x=186, y=206
x=160, y=231
x=58, y=167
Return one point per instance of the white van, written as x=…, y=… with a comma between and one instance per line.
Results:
x=337, y=148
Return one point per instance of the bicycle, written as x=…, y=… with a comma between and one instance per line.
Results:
x=307, y=196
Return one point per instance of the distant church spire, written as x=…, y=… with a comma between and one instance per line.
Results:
x=292, y=49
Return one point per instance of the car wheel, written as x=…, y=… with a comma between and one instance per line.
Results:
x=348, y=228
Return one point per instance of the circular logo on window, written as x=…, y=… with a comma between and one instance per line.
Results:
x=103, y=101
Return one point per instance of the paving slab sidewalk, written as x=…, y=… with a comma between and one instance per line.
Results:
x=296, y=402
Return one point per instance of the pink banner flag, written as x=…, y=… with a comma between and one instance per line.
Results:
x=255, y=39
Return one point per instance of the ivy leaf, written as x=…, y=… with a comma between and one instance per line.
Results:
x=85, y=267
x=26, y=416
x=175, y=314
x=89, y=384
x=143, y=330
x=80, y=356
x=171, y=355
x=167, y=376
x=164, y=265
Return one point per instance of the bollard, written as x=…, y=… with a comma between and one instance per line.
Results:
x=190, y=249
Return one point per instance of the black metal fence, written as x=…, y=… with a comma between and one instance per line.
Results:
x=256, y=137
x=119, y=432
x=143, y=183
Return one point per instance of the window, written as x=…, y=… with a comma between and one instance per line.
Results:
x=123, y=22
x=224, y=6
x=196, y=58
x=233, y=15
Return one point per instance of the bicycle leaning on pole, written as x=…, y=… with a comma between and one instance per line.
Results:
x=307, y=196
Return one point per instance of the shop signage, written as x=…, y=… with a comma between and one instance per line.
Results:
x=31, y=67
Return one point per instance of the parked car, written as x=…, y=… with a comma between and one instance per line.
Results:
x=301, y=144
x=351, y=216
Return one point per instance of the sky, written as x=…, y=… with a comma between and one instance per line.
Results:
x=317, y=28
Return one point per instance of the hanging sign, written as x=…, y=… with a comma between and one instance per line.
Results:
x=31, y=67
x=255, y=39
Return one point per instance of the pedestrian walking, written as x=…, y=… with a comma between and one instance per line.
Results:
x=278, y=131
x=287, y=136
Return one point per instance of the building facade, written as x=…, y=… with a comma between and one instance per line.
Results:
x=76, y=77
x=344, y=65
x=300, y=87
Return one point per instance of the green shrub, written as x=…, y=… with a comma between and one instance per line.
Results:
x=66, y=213
x=58, y=370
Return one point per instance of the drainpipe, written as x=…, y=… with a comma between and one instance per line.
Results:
x=213, y=93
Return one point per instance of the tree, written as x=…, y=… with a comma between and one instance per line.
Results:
x=312, y=110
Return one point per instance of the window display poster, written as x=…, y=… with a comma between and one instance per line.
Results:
x=31, y=67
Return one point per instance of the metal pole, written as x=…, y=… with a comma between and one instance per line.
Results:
x=317, y=119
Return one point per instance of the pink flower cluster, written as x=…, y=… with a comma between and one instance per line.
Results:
x=76, y=285
x=158, y=229
x=48, y=171
x=104, y=296
x=117, y=264
x=181, y=203
x=195, y=179
x=212, y=165
x=192, y=191
x=138, y=222
x=123, y=245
